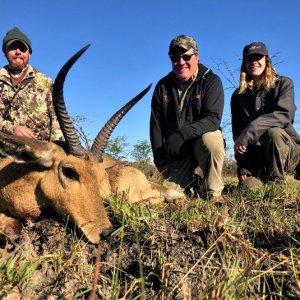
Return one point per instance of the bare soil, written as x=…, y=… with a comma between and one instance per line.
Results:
x=172, y=262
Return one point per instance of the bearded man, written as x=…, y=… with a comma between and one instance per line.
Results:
x=26, y=107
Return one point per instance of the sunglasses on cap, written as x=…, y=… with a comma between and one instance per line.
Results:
x=185, y=57
x=17, y=45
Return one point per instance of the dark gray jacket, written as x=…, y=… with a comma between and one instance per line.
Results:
x=253, y=114
x=202, y=112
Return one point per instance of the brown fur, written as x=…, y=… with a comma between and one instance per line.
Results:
x=42, y=175
x=10, y=228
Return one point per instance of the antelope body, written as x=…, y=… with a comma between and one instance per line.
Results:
x=70, y=179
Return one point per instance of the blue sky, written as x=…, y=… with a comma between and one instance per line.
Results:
x=129, y=45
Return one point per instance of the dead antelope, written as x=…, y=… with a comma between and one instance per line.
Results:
x=67, y=177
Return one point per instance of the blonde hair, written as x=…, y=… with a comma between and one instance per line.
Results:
x=267, y=80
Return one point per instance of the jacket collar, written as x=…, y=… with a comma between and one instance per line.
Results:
x=202, y=71
x=4, y=74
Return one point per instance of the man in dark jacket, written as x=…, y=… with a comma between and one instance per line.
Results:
x=187, y=107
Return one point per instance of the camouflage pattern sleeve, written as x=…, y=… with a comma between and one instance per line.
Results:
x=29, y=104
x=46, y=125
x=6, y=124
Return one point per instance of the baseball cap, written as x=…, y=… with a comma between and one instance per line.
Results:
x=255, y=48
x=186, y=42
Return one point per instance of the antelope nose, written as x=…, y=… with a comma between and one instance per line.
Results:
x=106, y=232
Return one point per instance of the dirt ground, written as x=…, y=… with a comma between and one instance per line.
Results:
x=173, y=260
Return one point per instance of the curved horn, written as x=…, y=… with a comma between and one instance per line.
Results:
x=64, y=120
x=104, y=134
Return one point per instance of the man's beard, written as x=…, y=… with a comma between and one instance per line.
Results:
x=17, y=70
x=17, y=65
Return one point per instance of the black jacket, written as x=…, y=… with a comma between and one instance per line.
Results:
x=202, y=112
x=253, y=114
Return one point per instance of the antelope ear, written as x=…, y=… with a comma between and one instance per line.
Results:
x=26, y=150
x=108, y=162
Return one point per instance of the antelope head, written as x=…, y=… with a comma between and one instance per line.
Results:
x=69, y=178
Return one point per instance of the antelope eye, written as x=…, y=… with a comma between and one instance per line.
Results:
x=70, y=173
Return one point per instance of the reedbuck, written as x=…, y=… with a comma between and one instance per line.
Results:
x=65, y=176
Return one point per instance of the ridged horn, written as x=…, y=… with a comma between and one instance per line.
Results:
x=64, y=120
x=101, y=139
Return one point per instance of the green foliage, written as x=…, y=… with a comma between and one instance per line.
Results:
x=129, y=215
x=18, y=268
x=116, y=147
x=142, y=152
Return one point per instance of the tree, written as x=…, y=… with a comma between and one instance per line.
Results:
x=80, y=124
x=142, y=152
x=116, y=147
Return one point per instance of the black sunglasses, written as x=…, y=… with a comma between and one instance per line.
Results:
x=185, y=57
x=254, y=57
x=18, y=45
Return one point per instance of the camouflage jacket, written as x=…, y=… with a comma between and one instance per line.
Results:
x=28, y=104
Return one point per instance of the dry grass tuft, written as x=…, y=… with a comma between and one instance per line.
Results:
x=245, y=248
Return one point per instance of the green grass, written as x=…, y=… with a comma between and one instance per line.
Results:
x=255, y=237
x=251, y=249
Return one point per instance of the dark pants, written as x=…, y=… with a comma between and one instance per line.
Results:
x=277, y=155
